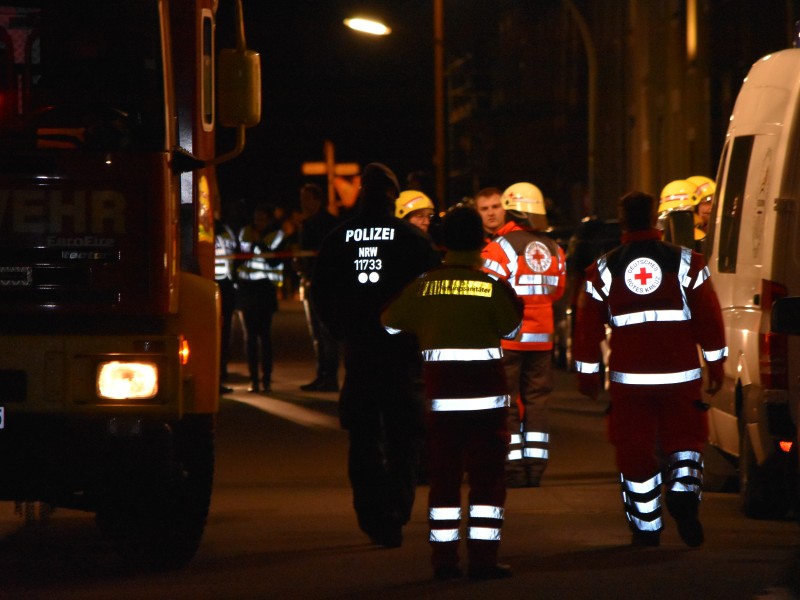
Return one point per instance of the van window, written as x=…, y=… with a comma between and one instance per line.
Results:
x=732, y=203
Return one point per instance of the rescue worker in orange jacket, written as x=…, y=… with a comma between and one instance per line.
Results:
x=659, y=302
x=535, y=267
x=458, y=314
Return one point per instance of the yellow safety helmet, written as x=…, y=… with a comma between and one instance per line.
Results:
x=409, y=201
x=704, y=192
x=524, y=197
x=677, y=195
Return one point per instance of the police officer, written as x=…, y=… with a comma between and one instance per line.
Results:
x=658, y=300
x=535, y=267
x=458, y=314
x=363, y=264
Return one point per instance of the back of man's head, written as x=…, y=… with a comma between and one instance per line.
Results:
x=379, y=188
x=462, y=229
x=637, y=211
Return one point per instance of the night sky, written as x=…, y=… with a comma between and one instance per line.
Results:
x=371, y=96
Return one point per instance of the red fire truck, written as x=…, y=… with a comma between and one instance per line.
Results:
x=109, y=338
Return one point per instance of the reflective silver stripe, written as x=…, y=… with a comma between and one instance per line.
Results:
x=701, y=277
x=649, y=316
x=686, y=455
x=587, y=367
x=533, y=290
x=537, y=436
x=592, y=292
x=445, y=535
x=515, y=455
x=444, y=513
x=491, y=534
x=605, y=275
x=685, y=472
x=536, y=337
x=484, y=403
x=712, y=355
x=642, y=487
x=538, y=279
x=391, y=330
x=493, y=266
x=462, y=354
x=536, y=453
x=645, y=507
x=679, y=486
x=484, y=511
x=655, y=378
x=643, y=525
x=510, y=253
x=516, y=438
x=514, y=333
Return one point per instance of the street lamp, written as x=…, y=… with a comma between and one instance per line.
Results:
x=377, y=28
x=365, y=25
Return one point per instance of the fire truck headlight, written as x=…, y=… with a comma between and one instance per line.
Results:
x=127, y=380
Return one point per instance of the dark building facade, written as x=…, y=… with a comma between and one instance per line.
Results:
x=589, y=99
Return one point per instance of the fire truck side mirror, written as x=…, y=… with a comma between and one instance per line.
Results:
x=238, y=88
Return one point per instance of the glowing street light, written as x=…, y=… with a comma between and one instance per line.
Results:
x=367, y=26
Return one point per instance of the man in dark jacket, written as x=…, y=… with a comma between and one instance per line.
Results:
x=361, y=266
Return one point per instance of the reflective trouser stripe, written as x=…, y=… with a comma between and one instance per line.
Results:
x=483, y=511
x=445, y=535
x=485, y=522
x=462, y=354
x=685, y=472
x=484, y=533
x=515, y=447
x=534, y=446
x=444, y=523
x=587, y=367
x=642, y=502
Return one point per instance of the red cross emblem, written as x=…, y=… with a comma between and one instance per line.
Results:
x=643, y=276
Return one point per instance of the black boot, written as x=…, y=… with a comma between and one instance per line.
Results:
x=683, y=506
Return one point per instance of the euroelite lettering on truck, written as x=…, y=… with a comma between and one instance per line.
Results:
x=109, y=349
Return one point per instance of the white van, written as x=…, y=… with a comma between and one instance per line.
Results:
x=753, y=252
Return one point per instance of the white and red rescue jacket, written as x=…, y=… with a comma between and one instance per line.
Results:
x=535, y=267
x=660, y=304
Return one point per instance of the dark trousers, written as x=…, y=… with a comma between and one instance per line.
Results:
x=474, y=442
x=381, y=406
x=258, y=301
x=530, y=382
x=326, y=347
x=227, y=294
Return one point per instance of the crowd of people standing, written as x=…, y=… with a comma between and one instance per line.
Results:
x=445, y=327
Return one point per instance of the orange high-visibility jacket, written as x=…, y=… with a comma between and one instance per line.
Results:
x=535, y=266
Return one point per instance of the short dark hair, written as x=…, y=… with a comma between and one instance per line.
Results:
x=637, y=211
x=462, y=229
x=488, y=191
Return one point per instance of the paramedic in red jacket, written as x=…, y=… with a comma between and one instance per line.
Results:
x=660, y=305
x=535, y=267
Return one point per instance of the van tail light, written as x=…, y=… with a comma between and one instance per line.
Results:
x=786, y=445
x=773, y=356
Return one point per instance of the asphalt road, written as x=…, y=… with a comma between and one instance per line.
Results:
x=282, y=525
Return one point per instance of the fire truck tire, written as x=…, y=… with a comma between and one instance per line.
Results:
x=159, y=525
x=761, y=487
